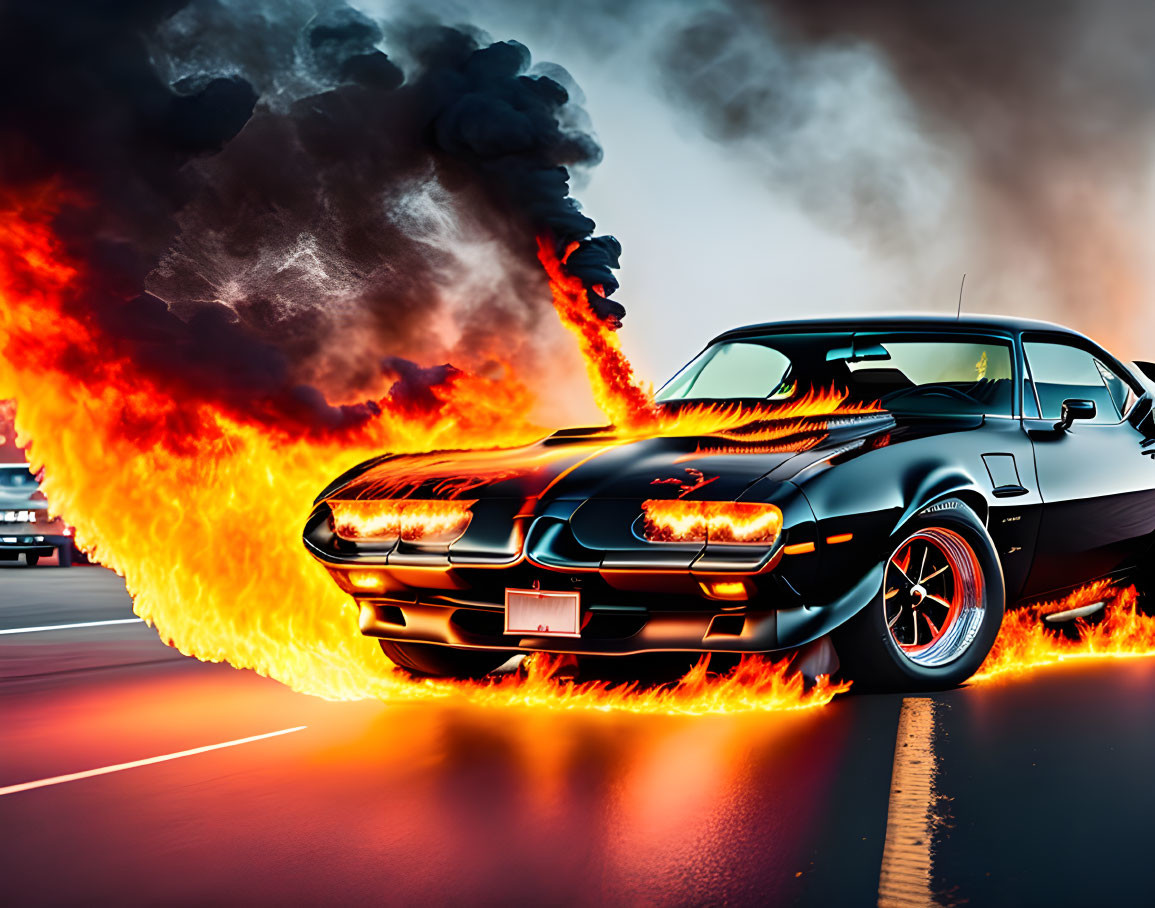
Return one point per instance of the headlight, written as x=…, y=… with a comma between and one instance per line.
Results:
x=386, y=521
x=728, y=522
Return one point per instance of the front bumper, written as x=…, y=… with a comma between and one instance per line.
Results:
x=21, y=542
x=633, y=600
x=606, y=630
x=615, y=629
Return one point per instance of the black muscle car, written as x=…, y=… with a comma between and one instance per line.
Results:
x=887, y=484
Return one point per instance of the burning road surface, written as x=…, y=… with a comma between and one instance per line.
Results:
x=1026, y=642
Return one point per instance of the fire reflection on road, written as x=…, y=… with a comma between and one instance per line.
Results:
x=641, y=806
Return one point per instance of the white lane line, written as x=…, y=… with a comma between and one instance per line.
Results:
x=148, y=761
x=905, y=878
x=64, y=627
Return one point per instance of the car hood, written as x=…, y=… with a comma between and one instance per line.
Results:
x=590, y=464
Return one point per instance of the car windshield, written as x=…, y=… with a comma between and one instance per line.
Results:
x=17, y=478
x=945, y=374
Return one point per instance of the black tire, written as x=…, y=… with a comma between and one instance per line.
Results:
x=874, y=656
x=64, y=555
x=435, y=661
x=31, y=560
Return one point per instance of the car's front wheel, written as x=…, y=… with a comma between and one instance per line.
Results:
x=432, y=660
x=939, y=609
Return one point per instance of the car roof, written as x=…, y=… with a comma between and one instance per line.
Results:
x=899, y=322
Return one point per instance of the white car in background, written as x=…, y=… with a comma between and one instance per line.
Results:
x=25, y=527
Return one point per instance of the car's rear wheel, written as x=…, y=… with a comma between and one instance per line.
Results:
x=32, y=560
x=64, y=555
x=939, y=609
x=431, y=660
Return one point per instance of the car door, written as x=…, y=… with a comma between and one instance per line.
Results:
x=1096, y=481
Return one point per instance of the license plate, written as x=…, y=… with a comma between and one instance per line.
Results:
x=17, y=517
x=542, y=613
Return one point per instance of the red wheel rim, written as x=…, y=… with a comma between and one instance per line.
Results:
x=932, y=596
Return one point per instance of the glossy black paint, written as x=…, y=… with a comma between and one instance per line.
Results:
x=1063, y=505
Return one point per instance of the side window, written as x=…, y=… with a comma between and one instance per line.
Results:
x=949, y=375
x=1061, y=372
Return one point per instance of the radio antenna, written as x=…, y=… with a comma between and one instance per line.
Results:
x=962, y=283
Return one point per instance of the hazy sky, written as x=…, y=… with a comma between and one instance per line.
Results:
x=716, y=235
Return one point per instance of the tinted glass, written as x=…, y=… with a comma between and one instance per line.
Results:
x=727, y=371
x=937, y=376
x=946, y=374
x=18, y=478
x=1063, y=372
x=1119, y=390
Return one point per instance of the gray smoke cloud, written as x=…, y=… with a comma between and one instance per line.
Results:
x=1020, y=133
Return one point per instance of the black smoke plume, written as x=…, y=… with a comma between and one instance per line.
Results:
x=272, y=201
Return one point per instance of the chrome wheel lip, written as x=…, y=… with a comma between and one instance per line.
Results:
x=967, y=609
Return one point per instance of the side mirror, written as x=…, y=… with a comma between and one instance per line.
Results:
x=1148, y=369
x=1073, y=409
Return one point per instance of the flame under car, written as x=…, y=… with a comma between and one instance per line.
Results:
x=889, y=485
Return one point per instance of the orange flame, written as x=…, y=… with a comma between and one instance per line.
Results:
x=449, y=474
x=763, y=422
x=201, y=513
x=407, y=519
x=678, y=520
x=755, y=684
x=1025, y=643
x=205, y=528
x=617, y=391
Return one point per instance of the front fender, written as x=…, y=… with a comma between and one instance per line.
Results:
x=861, y=505
x=799, y=626
x=938, y=484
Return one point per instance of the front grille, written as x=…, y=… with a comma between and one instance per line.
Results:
x=476, y=621
x=613, y=626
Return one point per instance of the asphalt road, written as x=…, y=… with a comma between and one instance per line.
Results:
x=1029, y=792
